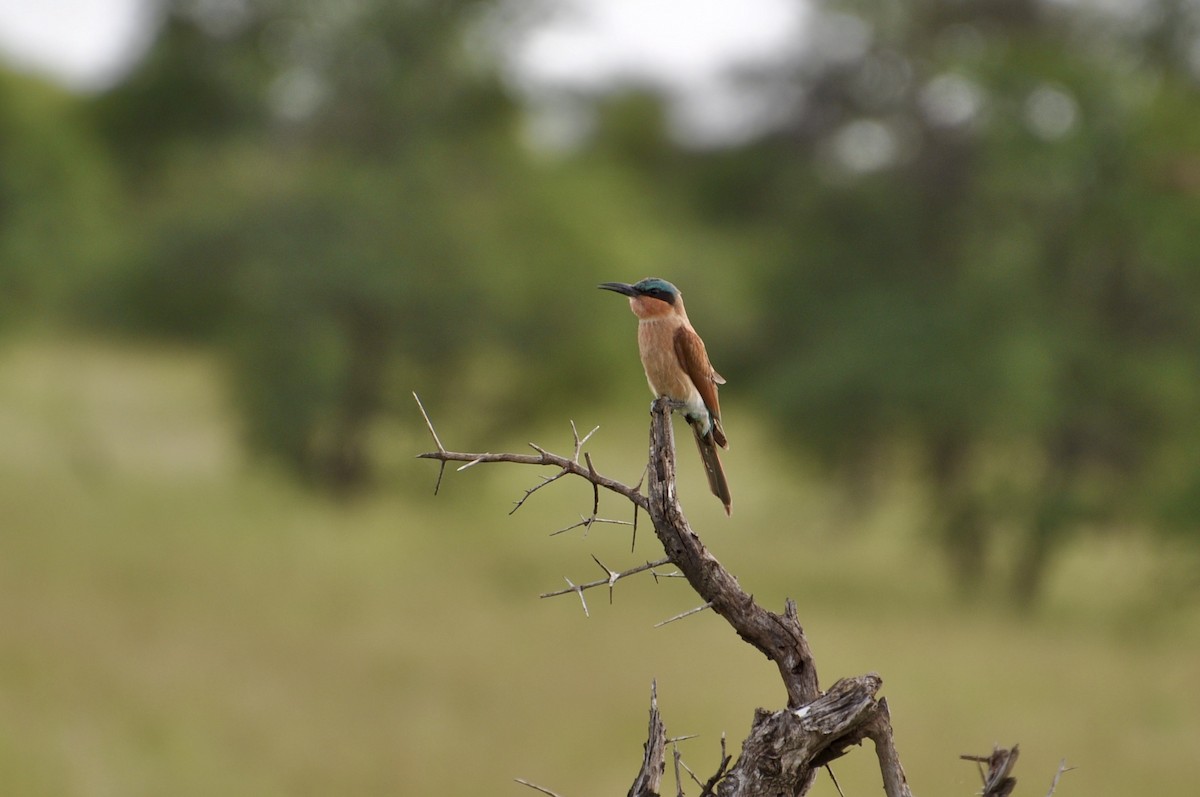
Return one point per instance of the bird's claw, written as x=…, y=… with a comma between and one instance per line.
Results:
x=672, y=404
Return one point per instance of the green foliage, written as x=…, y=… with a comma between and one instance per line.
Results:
x=176, y=622
x=969, y=243
x=57, y=197
x=383, y=233
x=1001, y=285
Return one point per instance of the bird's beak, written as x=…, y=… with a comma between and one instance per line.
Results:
x=619, y=287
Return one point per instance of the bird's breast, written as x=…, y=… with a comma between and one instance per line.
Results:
x=656, y=343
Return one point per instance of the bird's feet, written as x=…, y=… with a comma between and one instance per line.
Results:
x=671, y=404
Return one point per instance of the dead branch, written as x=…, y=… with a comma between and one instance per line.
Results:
x=879, y=731
x=654, y=756
x=541, y=458
x=589, y=521
x=1062, y=768
x=441, y=448
x=785, y=748
x=566, y=465
x=779, y=637
x=536, y=787
x=613, y=578
x=711, y=783
x=573, y=587
x=997, y=779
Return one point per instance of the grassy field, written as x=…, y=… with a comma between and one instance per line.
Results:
x=177, y=619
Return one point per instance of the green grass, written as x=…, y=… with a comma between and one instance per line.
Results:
x=178, y=619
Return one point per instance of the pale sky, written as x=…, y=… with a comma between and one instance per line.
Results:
x=84, y=44
x=87, y=43
x=684, y=46
x=674, y=41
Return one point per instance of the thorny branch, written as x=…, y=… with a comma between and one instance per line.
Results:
x=785, y=748
x=566, y=465
x=1062, y=768
x=997, y=778
x=613, y=578
x=649, y=775
x=436, y=441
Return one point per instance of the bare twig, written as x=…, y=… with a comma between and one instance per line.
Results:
x=1062, y=768
x=469, y=465
x=578, y=591
x=673, y=574
x=895, y=782
x=567, y=465
x=653, y=759
x=682, y=615
x=711, y=783
x=436, y=441
x=636, y=507
x=997, y=780
x=536, y=787
x=611, y=579
x=686, y=768
x=591, y=473
x=579, y=442
x=613, y=575
x=786, y=748
x=594, y=518
x=833, y=777
x=592, y=477
x=545, y=481
x=587, y=523
x=779, y=637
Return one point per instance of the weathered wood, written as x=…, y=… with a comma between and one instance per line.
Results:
x=895, y=783
x=998, y=780
x=649, y=777
x=779, y=637
x=785, y=749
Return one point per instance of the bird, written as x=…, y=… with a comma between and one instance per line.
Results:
x=678, y=369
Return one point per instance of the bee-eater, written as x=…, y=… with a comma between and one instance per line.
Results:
x=677, y=368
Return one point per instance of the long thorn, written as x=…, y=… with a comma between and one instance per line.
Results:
x=536, y=787
x=833, y=777
x=441, y=448
x=684, y=614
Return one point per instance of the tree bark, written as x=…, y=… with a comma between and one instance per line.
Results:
x=779, y=637
x=785, y=748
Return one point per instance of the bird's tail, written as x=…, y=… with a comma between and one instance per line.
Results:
x=712, y=465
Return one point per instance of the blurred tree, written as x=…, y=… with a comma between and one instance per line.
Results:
x=335, y=194
x=978, y=259
x=57, y=200
x=970, y=237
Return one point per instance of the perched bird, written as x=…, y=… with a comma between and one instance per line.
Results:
x=678, y=369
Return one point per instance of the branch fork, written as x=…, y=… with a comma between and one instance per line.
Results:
x=785, y=749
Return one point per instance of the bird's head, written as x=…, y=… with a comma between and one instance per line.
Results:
x=650, y=297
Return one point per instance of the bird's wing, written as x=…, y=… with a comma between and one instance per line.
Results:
x=694, y=359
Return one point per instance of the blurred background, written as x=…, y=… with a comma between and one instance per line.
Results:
x=944, y=252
